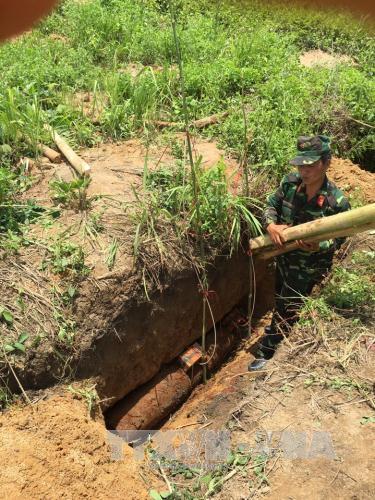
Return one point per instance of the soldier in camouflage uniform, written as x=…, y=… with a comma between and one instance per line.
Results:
x=302, y=197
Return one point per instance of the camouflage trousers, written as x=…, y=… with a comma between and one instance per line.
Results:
x=294, y=282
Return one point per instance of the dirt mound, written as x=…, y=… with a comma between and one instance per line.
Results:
x=320, y=58
x=53, y=450
x=353, y=180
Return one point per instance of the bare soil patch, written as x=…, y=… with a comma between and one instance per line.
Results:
x=313, y=58
x=54, y=450
x=352, y=179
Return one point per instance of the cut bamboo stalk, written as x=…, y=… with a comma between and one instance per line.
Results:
x=288, y=247
x=28, y=164
x=51, y=154
x=325, y=226
x=80, y=166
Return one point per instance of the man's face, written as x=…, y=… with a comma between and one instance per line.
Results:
x=314, y=173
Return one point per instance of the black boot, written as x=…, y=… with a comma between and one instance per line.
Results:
x=265, y=351
x=257, y=364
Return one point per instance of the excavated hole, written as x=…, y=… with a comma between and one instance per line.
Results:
x=151, y=405
x=367, y=160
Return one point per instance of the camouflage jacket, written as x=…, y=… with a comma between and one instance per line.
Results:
x=289, y=205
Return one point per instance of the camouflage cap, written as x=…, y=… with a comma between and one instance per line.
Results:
x=311, y=149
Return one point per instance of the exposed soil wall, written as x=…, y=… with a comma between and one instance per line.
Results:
x=124, y=342
x=141, y=337
x=146, y=407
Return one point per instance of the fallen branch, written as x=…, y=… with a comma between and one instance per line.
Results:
x=170, y=489
x=209, y=120
x=201, y=123
x=361, y=123
x=114, y=275
x=165, y=124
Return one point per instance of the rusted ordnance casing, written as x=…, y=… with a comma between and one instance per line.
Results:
x=339, y=225
x=146, y=407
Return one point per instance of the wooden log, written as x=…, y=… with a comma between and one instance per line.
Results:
x=165, y=124
x=343, y=222
x=201, y=123
x=80, y=166
x=210, y=120
x=51, y=154
x=288, y=247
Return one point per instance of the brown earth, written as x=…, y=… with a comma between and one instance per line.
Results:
x=298, y=395
x=114, y=334
x=320, y=58
x=353, y=180
x=54, y=450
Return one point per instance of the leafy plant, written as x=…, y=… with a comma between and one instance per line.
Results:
x=66, y=258
x=203, y=483
x=339, y=383
x=89, y=394
x=18, y=345
x=313, y=308
x=71, y=194
x=6, y=316
x=367, y=420
x=348, y=290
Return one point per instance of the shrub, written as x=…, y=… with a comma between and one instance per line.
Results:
x=348, y=290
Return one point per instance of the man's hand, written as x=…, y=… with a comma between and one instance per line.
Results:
x=275, y=232
x=308, y=247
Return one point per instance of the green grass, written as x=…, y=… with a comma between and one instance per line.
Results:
x=87, y=46
x=234, y=56
x=348, y=289
x=170, y=198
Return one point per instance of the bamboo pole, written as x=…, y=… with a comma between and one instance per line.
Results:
x=80, y=166
x=324, y=227
x=288, y=247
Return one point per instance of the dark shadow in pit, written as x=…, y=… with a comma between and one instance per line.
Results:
x=366, y=160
